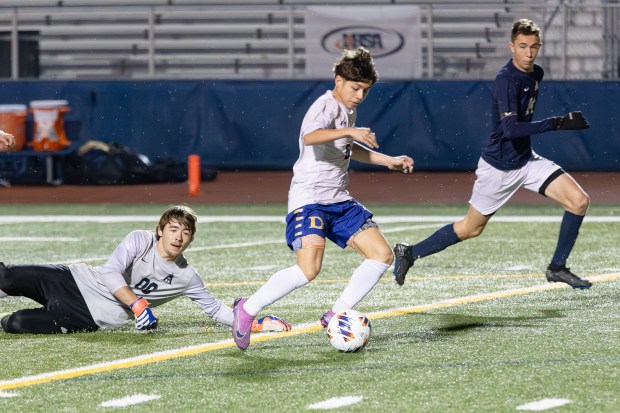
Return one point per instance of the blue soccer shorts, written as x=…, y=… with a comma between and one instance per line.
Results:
x=336, y=222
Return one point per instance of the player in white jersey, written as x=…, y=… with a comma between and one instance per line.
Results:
x=145, y=264
x=319, y=204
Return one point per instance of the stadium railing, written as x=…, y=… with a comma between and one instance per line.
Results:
x=251, y=39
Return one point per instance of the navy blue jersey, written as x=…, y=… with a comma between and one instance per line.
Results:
x=514, y=98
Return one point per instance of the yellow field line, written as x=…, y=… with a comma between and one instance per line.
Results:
x=477, y=298
x=302, y=329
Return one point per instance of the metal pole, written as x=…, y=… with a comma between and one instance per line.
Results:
x=14, y=46
x=152, y=42
x=607, y=42
x=564, y=40
x=612, y=42
x=291, y=42
x=430, y=55
x=544, y=33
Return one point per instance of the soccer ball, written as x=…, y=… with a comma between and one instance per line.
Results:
x=348, y=331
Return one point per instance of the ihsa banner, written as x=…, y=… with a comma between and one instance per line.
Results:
x=392, y=35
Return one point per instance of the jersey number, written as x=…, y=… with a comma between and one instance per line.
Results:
x=530, y=106
x=146, y=286
x=347, y=151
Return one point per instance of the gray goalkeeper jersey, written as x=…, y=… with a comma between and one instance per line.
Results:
x=137, y=264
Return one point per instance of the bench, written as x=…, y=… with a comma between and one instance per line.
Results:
x=19, y=164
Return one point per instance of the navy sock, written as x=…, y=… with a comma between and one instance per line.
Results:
x=569, y=230
x=438, y=241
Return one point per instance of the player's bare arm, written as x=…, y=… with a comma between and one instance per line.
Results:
x=394, y=163
x=361, y=135
x=125, y=295
x=401, y=163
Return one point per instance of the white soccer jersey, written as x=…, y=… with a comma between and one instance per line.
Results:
x=320, y=175
x=136, y=263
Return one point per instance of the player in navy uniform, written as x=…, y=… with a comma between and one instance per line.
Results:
x=145, y=264
x=509, y=163
x=319, y=204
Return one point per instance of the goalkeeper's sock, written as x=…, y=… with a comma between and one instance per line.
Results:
x=438, y=241
x=569, y=230
x=362, y=281
x=279, y=285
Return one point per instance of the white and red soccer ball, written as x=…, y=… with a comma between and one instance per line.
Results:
x=348, y=331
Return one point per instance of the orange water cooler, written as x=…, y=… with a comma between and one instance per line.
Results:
x=49, y=125
x=13, y=121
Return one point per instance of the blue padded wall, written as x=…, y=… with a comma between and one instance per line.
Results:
x=443, y=125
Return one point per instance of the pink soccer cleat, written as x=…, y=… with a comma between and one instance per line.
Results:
x=242, y=324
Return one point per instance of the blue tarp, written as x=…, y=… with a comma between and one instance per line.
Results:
x=443, y=125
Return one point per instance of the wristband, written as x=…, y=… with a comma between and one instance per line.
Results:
x=139, y=305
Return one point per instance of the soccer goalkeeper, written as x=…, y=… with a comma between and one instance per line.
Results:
x=147, y=269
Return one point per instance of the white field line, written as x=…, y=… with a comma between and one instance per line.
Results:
x=129, y=400
x=192, y=249
x=389, y=219
x=13, y=219
x=4, y=394
x=336, y=402
x=297, y=330
x=242, y=244
x=544, y=404
x=39, y=239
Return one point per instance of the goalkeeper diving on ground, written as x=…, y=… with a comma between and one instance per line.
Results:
x=147, y=269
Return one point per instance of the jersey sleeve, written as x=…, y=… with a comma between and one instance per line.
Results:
x=111, y=273
x=320, y=116
x=210, y=305
x=507, y=94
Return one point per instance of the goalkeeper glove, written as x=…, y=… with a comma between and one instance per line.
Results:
x=145, y=319
x=270, y=323
x=571, y=121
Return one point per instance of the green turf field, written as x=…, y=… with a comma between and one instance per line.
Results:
x=475, y=328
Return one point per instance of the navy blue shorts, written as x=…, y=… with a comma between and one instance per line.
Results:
x=336, y=222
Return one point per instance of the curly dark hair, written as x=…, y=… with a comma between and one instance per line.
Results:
x=356, y=65
x=525, y=27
